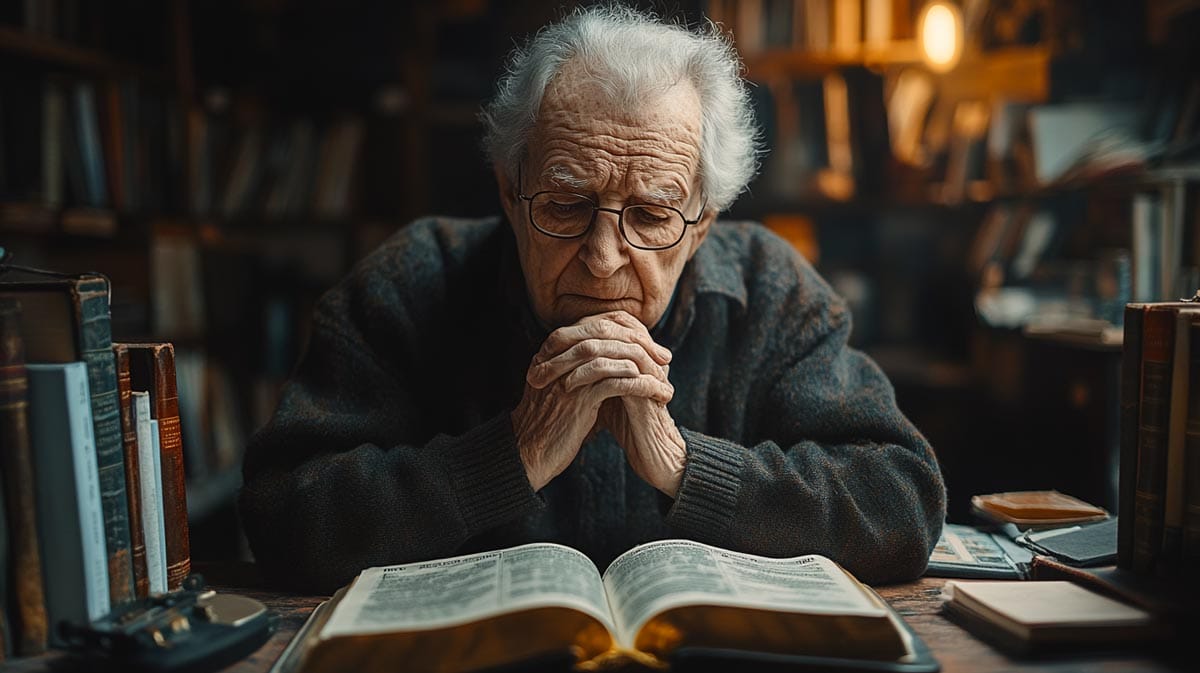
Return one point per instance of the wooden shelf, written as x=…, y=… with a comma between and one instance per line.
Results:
x=1140, y=181
x=60, y=53
x=791, y=62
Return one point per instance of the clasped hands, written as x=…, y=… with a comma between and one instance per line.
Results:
x=603, y=372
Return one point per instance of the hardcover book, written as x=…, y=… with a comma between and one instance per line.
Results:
x=671, y=602
x=152, y=369
x=68, y=487
x=133, y=490
x=67, y=320
x=23, y=581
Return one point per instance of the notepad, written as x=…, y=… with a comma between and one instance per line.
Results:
x=1026, y=616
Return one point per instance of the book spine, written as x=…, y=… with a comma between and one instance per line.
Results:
x=24, y=565
x=1131, y=386
x=174, y=486
x=1173, y=498
x=96, y=347
x=1191, y=516
x=70, y=515
x=1158, y=334
x=150, y=476
x=133, y=491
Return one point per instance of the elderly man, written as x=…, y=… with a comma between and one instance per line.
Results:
x=603, y=367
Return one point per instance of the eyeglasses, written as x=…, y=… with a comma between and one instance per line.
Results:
x=644, y=226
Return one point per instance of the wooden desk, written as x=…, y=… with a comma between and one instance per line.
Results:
x=957, y=650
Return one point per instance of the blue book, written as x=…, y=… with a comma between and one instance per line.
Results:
x=67, y=486
x=87, y=129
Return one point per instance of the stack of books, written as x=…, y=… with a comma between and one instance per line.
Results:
x=1160, y=440
x=95, y=511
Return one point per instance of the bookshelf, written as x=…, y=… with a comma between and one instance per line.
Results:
x=956, y=204
x=353, y=119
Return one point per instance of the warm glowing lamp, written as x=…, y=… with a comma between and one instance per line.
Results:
x=940, y=28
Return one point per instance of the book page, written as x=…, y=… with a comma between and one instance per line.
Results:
x=446, y=592
x=661, y=575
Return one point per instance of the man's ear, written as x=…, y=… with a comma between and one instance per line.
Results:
x=508, y=194
x=700, y=229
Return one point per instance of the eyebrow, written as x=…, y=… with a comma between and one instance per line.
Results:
x=565, y=177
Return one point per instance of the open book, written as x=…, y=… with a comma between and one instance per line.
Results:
x=654, y=603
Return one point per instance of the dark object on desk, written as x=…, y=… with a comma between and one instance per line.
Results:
x=187, y=631
x=1169, y=599
x=1084, y=546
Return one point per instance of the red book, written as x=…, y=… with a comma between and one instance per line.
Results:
x=152, y=369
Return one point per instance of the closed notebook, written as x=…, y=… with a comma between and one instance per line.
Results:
x=1031, y=616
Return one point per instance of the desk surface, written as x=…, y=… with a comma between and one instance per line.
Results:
x=917, y=602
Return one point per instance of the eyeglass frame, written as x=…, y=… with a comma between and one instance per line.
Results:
x=596, y=208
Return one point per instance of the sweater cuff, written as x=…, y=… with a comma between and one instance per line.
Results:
x=704, y=505
x=489, y=477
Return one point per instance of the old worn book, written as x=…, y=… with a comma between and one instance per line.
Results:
x=658, y=603
x=1131, y=393
x=1027, y=617
x=67, y=320
x=152, y=369
x=23, y=569
x=133, y=491
x=1158, y=345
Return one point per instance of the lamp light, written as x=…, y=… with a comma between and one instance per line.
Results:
x=940, y=29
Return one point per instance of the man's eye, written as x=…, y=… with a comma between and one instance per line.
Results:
x=568, y=207
x=651, y=216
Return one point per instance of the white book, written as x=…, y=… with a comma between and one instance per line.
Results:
x=150, y=482
x=70, y=519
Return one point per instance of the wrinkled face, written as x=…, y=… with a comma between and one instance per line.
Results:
x=586, y=144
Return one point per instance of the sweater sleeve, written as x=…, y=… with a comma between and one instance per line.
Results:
x=350, y=474
x=836, y=469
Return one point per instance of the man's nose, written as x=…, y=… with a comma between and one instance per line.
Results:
x=604, y=250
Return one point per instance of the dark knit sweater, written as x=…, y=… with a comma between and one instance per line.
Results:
x=393, y=443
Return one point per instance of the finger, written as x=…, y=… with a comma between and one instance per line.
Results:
x=564, y=337
x=626, y=319
x=545, y=373
x=597, y=370
x=642, y=385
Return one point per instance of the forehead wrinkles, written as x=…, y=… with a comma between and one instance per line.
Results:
x=585, y=151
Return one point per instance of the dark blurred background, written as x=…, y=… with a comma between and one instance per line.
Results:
x=987, y=183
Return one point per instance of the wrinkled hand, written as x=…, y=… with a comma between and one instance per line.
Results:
x=653, y=446
x=579, y=367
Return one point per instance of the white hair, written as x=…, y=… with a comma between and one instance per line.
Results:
x=633, y=55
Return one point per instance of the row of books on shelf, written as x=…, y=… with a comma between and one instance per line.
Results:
x=853, y=132
x=77, y=151
x=92, y=147
x=93, y=468
x=812, y=25
x=1160, y=440
x=89, y=25
x=278, y=170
